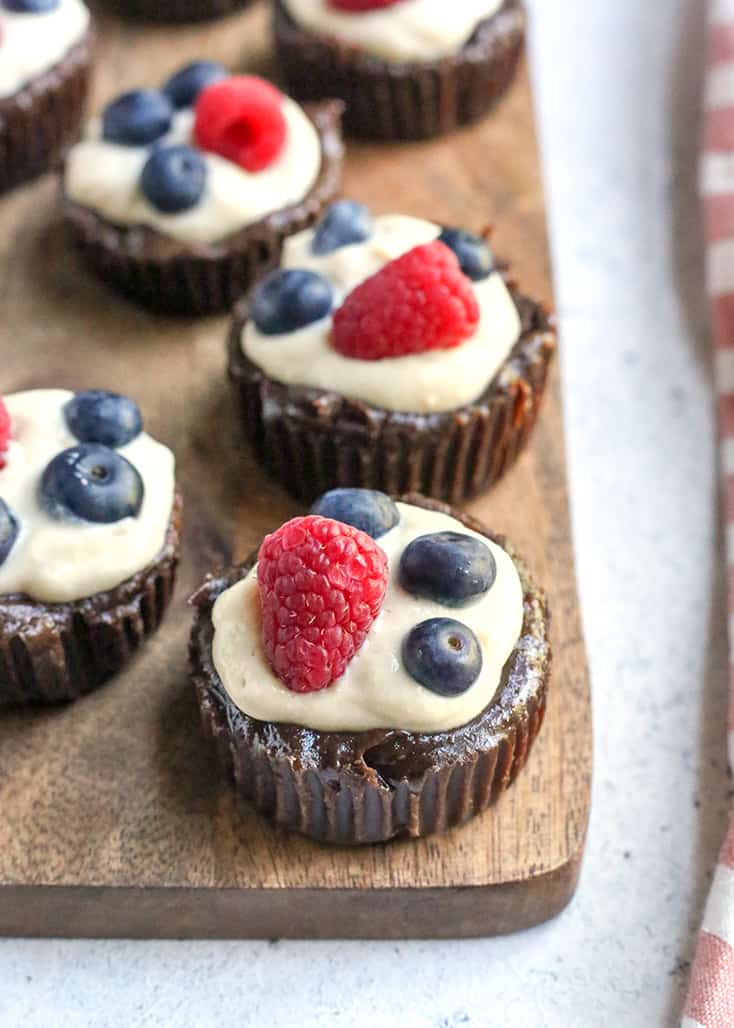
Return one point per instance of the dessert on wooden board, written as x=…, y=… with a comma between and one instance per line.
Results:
x=511, y=867
x=181, y=196
x=375, y=670
x=390, y=353
x=90, y=525
x=176, y=11
x=45, y=62
x=407, y=69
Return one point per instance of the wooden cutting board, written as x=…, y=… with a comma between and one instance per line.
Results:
x=114, y=818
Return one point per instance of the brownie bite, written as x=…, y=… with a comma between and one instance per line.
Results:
x=376, y=670
x=406, y=69
x=90, y=526
x=389, y=353
x=181, y=196
x=45, y=62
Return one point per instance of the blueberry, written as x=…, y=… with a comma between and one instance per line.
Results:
x=174, y=178
x=443, y=655
x=8, y=530
x=474, y=256
x=30, y=6
x=366, y=509
x=185, y=85
x=93, y=483
x=137, y=118
x=97, y=416
x=289, y=299
x=449, y=567
x=343, y=223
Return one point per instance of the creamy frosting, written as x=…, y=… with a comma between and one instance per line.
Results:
x=438, y=380
x=375, y=691
x=30, y=44
x=60, y=561
x=105, y=176
x=410, y=30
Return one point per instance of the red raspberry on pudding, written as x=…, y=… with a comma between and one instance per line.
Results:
x=421, y=301
x=321, y=585
x=241, y=118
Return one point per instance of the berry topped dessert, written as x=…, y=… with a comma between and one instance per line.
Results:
x=372, y=663
x=89, y=540
x=388, y=352
x=181, y=196
x=407, y=69
x=45, y=58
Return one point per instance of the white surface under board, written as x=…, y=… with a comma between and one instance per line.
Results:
x=617, y=84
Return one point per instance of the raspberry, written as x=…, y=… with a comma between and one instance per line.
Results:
x=321, y=586
x=4, y=431
x=241, y=118
x=359, y=6
x=421, y=301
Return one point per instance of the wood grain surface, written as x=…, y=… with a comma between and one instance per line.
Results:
x=114, y=818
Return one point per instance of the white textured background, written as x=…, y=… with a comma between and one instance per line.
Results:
x=617, y=84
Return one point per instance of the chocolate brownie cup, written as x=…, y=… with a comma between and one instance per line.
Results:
x=175, y=11
x=90, y=525
x=45, y=62
x=181, y=197
x=433, y=713
x=433, y=411
x=406, y=69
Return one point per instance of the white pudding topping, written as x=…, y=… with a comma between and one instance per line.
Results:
x=105, y=176
x=30, y=44
x=423, y=383
x=61, y=561
x=375, y=691
x=409, y=30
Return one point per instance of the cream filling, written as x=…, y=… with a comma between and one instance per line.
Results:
x=422, y=383
x=410, y=30
x=30, y=44
x=60, y=561
x=105, y=177
x=375, y=691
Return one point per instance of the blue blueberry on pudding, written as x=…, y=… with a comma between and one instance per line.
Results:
x=181, y=196
x=92, y=483
x=99, y=416
x=45, y=64
x=473, y=253
x=183, y=87
x=137, y=118
x=452, y=568
x=426, y=699
x=174, y=178
x=368, y=510
x=443, y=655
x=90, y=522
x=288, y=300
x=345, y=222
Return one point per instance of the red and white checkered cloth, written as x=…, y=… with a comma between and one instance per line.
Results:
x=710, y=1002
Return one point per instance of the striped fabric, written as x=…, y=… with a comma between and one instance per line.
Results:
x=710, y=1002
